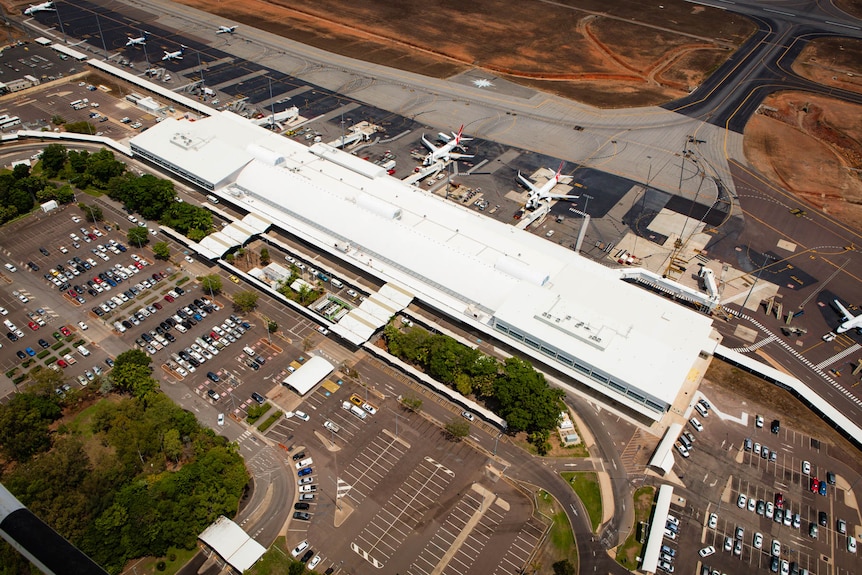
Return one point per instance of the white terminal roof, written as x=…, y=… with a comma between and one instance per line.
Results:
x=232, y=544
x=472, y=267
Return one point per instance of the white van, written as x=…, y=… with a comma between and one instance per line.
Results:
x=336, y=283
x=333, y=427
x=83, y=350
x=304, y=463
x=249, y=351
x=357, y=412
x=212, y=199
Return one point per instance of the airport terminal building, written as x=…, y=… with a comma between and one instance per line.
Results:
x=562, y=310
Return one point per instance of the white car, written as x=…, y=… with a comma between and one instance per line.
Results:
x=301, y=415
x=314, y=562
x=467, y=415
x=189, y=259
x=776, y=548
x=741, y=501
x=221, y=418
x=707, y=551
x=851, y=544
x=758, y=541
x=299, y=549
x=806, y=468
x=713, y=521
x=83, y=326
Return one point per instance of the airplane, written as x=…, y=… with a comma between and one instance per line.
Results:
x=138, y=41
x=178, y=55
x=849, y=320
x=44, y=7
x=537, y=194
x=445, y=152
x=226, y=29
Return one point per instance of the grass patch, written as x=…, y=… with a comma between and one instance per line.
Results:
x=43, y=353
x=11, y=372
x=79, y=342
x=174, y=560
x=561, y=541
x=50, y=360
x=64, y=351
x=57, y=345
x=586, y=487
x=182, y=281
x=632, y=548
x=270, y=420
x=275, y=561
x=19, y=379
x=257, y=411
x=28, y=362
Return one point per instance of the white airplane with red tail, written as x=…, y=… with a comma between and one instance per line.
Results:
x=538, y=194
x=445, y=152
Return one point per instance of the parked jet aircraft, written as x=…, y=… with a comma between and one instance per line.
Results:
x=226, y=29
x=849, y=320
x=44, y=7
x=445, y=152
x=138, y=41
x=178, y=55
x=537, y=194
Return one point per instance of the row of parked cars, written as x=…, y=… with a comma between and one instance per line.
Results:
x=668, y=554
x=302, y=508
x=206, y=347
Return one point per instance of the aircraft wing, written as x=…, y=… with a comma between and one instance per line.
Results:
x=457, y=156
x=845, y=313
x=428, y=144
x=530, y=185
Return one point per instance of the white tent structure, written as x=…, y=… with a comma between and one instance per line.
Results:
x=232, y=544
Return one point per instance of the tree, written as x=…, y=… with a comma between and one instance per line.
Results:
x=457, y=428
x=53, y=159
x=264, y=256
x=134, y=357
x=24, y=424
x=271, y=326
x=58, y=120
x=563, y=567
x=525, y=400
x=161, y=250
x=412, y=403
x=211, y=284
x=138, y=236
x=245, y=301
x=92, y=213
x=81, y=128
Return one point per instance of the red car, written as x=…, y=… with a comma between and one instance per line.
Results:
x=214, y=335
x=139, y=265
x=815, y=485
x=33, y=325
x=169, y=298
x=72, y=293
x=97, y=279
x=62, y=363
x=157, y=305
x=65, y=331
x=779, y=501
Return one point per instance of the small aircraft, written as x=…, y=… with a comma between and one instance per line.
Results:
x=849, y=320
x=44, y=7
x=138, y=41
x=445, y=152
x=537, y=194
x=226, y=29
x=178, y=55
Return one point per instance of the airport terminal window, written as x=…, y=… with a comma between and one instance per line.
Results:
x=582, y=368
x=565, y=360
x=501, y=328
x=635, y=395
x=617, y=386
x=653, y=405
x=531, y=343
x=550, y=352
x=516, y=335
x=600, y=377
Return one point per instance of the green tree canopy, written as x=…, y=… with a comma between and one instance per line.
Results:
x=245, y=301
x=53, y=159
x=211, y=284
x=138, y=236
x=161, y=250
x=525, y=400
x=457, y=428
x=24, y=423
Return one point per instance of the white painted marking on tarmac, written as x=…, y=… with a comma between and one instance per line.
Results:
x=843, y=25
x=779, y=12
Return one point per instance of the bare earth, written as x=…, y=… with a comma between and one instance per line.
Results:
x=811, y=146
x=617, y=55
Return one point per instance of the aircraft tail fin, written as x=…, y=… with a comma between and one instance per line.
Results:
x=559, y=172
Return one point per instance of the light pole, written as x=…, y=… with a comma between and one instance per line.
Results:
x=396, y=423
x=766, y=257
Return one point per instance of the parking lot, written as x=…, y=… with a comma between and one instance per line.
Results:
x=767, y=498
x=388, y=490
